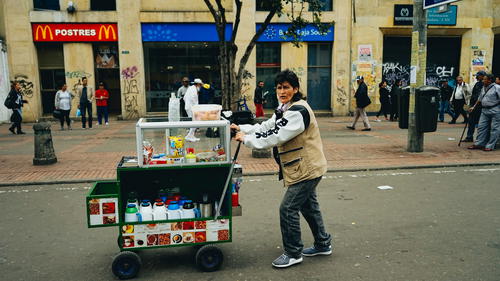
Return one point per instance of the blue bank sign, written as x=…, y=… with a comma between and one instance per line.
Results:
x=403, y=15
x=275, y=33
x=182, y=32
x=434, y=3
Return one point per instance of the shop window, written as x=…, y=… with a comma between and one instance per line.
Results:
x=496, y=55
x=103, y=5
x=46, y=4
x=443, y=59
x=166, y=64
x=319, y=75
x=268, y=65
x=326, y=5
x=52, y=76
x=262, y=5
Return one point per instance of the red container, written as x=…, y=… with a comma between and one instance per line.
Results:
x=235, y=199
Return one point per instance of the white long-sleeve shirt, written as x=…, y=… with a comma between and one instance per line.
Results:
x=274, y=132
x=190, y=99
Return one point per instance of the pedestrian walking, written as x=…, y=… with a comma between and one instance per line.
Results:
x=395, y=92
x=85, y=94
x=488, y=129
x=102, y=97
x=362, y=101
x=385, y=101
x=476, y=113
x=258, y=99
x=459, y=98
x=180, y=94
x=294, y=135
x=62, y=103
x=445, y=92
x=15, y=102
x=190, y=99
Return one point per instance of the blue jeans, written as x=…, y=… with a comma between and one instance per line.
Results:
x=488, y=129
x=102, y=110
x=444, y=106
x=301, y=197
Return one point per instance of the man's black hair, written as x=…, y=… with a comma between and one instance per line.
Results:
x=260, y=82
x=289, y=76
x=490, y=77
x=83, y=78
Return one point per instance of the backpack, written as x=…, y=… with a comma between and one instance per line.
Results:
x=9, y=101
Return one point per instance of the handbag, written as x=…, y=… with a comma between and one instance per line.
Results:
x=57, y=114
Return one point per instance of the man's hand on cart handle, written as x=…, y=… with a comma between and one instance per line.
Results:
x=234, y=127
x=240, y=136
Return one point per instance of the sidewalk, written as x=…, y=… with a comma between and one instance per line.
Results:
x=87, y=155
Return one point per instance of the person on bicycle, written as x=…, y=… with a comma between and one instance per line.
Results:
x=294, y=135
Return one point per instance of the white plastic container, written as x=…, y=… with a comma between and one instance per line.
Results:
x=205, y=112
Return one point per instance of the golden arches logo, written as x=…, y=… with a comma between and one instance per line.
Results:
x=44, y=31
x=107, y=30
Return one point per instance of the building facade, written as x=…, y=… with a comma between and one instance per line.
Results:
x=141, y=49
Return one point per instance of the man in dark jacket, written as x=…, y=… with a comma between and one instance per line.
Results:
x=258, y=99
x=362, y=101
x=444, y=105
x=16, y=103
x=474, y=115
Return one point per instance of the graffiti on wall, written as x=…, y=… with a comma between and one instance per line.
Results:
x=26, y=85
x=392, y=71
x=130, y=91
x=78, y=74
x=341, y=93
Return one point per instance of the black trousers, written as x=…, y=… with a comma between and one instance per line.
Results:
x=64, y=115
x=458, y=107
x=86, y=108
x=16, y=120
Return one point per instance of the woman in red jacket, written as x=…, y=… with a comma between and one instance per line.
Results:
x=102, y=96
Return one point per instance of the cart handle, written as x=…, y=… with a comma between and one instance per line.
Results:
x=231, y=169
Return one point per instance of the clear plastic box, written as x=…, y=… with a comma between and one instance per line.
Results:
x=163, y=143
x=205, y=112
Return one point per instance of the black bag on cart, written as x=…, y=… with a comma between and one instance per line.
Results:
x=242, y=117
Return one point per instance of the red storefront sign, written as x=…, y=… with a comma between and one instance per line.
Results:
x=74, y=32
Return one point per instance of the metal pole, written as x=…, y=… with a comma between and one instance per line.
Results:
x=417, y=76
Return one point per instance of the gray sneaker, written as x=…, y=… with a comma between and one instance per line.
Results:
x=313, y=251
x=286, y=261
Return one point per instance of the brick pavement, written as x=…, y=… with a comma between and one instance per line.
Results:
x=93, y=154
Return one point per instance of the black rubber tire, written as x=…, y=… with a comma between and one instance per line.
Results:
x=126, y=265
x=209, y=258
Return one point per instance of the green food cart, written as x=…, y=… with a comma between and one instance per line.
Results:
x=162, y=169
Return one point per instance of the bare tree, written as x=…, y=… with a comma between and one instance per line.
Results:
x=231, y=77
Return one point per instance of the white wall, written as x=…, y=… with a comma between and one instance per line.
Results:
x=4, y=84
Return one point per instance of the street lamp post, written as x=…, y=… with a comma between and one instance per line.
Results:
x=417, y=75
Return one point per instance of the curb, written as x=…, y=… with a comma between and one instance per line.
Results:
x=275, y=173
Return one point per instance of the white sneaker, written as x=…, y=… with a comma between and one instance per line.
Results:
x=107, y=123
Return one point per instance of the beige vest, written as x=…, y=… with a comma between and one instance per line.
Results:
x=302, y=157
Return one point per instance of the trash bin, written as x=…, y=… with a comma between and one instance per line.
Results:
x=427, y=108
x=403, y=106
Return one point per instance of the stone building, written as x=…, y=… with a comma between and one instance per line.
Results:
x=142, y=48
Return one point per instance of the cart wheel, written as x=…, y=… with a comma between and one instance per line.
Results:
x=126, y=265
x=209, y=258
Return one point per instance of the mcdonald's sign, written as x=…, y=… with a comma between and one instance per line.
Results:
x=75, y=32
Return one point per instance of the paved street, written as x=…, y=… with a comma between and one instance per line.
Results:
x=436, y=224
x=93, y=154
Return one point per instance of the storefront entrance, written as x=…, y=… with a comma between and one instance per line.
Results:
x=107, y=70
x=496, y=55
x=168, y=62
x=443, y=59
x=52, y=77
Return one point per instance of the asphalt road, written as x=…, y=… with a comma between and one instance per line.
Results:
x=435, y=224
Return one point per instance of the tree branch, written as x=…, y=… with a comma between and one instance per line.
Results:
x=236, y=20
x=251, y=45
x=212, y=10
